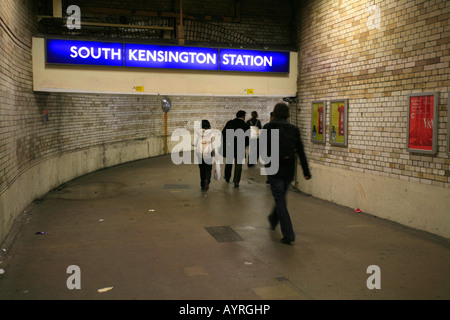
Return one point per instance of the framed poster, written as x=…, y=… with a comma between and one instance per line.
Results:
x=318, y=114
x=422, y=122
x=338, y=122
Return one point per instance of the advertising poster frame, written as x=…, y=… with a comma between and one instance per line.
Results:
x=338, y=135
x=318, y=121
x=422, y=127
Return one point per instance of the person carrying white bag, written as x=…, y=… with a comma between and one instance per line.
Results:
x=205, y=142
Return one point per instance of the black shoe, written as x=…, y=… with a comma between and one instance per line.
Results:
x=286, y=241
x=227, y=180
x=236, y=185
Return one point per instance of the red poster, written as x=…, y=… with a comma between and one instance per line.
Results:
x=421, y=115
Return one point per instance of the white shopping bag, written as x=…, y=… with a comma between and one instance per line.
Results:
x=217, y=172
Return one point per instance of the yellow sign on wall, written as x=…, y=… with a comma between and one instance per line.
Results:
x=249, y=91
x=139, y=88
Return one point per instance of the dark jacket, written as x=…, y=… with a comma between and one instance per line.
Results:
x=236, y=123
x=290, y=143
x=254, y=122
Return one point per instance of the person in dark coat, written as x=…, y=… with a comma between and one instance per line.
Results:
x=289, y=145
x=239, y=146
x=254, y=138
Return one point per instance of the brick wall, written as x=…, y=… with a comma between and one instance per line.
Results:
x=80, y=121
x=16, y=97
x=342, y=54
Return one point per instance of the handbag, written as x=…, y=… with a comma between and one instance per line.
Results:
x=217, y=172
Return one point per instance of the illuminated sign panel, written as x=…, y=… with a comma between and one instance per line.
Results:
x=84, y=52
x=168, y=57
x=164, y=57
x=254, y=60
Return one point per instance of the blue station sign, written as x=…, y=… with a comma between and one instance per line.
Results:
x=84, y=53
x=254, y=60
x=168, y=57
x=95, y=53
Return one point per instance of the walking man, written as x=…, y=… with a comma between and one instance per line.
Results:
x=289, y=144
x=235, y=140
x=255, y=127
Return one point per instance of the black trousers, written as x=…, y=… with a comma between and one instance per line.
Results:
x=280, y=213
x=205, y=173
x=237, y=172
x=253, y=152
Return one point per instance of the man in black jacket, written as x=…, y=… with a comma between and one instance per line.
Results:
x=232, y=136
x=289, y=144
x=254, y=138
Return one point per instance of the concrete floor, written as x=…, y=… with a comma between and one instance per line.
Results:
x=140, y=230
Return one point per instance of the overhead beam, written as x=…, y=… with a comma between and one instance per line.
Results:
x=129, y=26
x=166, y=14
x=57, y=9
